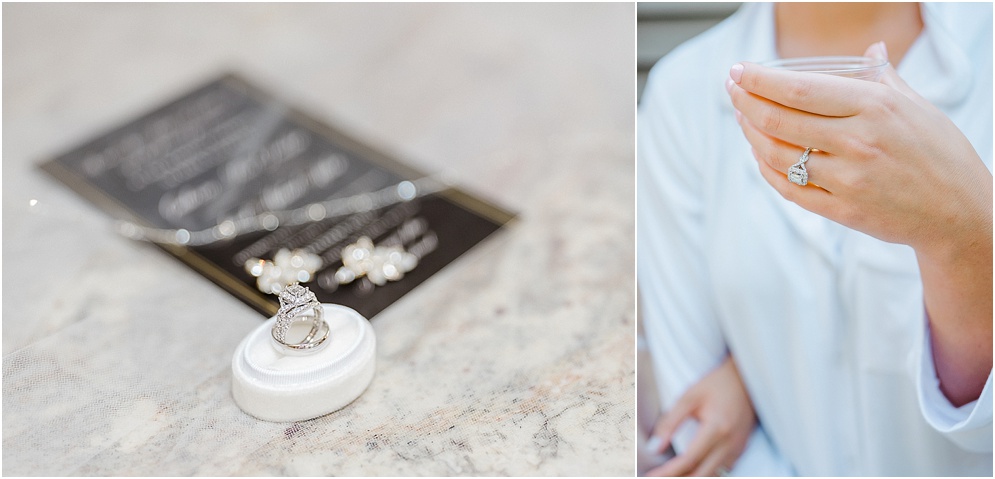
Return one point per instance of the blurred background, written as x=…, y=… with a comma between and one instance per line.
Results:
x=516, y=359
x=663, y=26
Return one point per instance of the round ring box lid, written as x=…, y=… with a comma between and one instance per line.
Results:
x=274, y=386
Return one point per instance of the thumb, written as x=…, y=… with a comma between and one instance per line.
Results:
x=890, y=77
x=877, y=51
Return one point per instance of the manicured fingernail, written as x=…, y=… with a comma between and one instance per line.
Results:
x=884, y=50
x=729, y=85
x=739, y=116
x=654, y=443
x=736, y=72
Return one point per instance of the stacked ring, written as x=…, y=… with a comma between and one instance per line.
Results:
x=295, y=303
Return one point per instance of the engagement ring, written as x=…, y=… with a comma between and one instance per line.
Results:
x=797, y=174
x=298, y=303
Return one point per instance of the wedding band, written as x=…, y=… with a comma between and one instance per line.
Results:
x=722, y=472
x=295, y=303
x=797, y=174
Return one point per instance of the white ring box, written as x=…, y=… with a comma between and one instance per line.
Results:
x=275, y=386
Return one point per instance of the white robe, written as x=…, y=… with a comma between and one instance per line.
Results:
x=826, y=324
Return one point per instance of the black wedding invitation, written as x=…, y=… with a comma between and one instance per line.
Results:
x=229, y=150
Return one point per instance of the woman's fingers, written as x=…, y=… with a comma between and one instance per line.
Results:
x=686, y=462
x=890, y=76
x=709, y=466
x=816, y=93
x=713, y=400
x=877, y=50
x=788, y=124
x=673, y=418
x=810, y=197
x=822, y=167
x=655, y=472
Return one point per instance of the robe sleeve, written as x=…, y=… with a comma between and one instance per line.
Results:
x=969, y=426
x=682, y=331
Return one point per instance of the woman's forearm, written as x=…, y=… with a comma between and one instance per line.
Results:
x=957, y=287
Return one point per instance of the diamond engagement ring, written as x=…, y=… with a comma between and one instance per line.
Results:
x=797, y=174
x=298, y=303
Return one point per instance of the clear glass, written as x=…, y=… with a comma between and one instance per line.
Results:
x=861, y=68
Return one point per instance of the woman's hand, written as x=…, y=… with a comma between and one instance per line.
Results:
x=889, y=163
x=725, y=420
x=893, y=166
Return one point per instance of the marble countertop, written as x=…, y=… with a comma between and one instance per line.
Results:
x=517, y=359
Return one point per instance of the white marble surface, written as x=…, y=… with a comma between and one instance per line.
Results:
x=516, y=359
